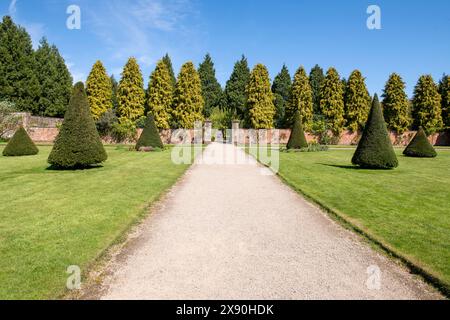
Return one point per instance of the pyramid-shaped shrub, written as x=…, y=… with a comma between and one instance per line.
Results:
x=420, y=147
x=78, y=143
x=375, y=150
x=20, y=145
x=150, y=135
x=297, y=139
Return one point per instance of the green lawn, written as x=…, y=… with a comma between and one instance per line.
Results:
x=50, y=220
x=407, y=209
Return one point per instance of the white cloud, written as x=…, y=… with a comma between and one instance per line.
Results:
x=145, y=29
x=12, y=9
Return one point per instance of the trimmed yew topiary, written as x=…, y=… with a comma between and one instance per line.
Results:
x=375, y=150
x=78, y=143
x=420, y=147
x=20, y=145
x=297, y=139
x=150, y=135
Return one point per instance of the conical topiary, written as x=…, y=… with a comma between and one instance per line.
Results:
x=150, y=135
x=78, y=143
x=375, y=150
x=420, y=147
x=297, y=139
x=20, y=145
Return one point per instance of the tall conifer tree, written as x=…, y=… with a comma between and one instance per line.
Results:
x=316, y=78
x=332, y=101
x=188, y=101
x=357, y=102
x=444, y=91
x=18, y=81
x=396, y=107
x=168, y=63
x=427, y=112
x=55, y=81
x=99, y=90
x=114, y=87
x=260, y=107
x=301, y=99
x=282, y=88
x=160, y=96
x=235, y=94
x=211, y=89
x=131, y=93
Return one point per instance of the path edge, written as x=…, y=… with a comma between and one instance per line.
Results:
x=427, y=275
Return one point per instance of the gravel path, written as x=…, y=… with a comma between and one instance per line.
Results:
x=229, y=232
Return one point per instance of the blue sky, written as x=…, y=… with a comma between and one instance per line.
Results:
x=414, y=39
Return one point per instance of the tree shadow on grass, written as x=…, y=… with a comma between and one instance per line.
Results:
x=349, y=167
x=76, y=168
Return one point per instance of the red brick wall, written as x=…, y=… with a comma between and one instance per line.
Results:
x=347, y=138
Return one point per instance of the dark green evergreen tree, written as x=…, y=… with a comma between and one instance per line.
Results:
x=444, y=91
x=316, y=78
x=20, y=145
x=168, y=63
x=281, y=88
x=18, y=81
x=375, y=150
x=78, y=143
x=235, y=94
x=55, y=81
x=297, y=139
x=211, y=89
x=150, y=135
x=420, y=146
x=114, y=86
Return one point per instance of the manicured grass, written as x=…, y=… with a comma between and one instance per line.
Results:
x=50, y=220
x=407, y=209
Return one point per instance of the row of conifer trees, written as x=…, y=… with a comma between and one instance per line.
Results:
x=250, y=96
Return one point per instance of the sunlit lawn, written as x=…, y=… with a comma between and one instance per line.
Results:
x=50, y=220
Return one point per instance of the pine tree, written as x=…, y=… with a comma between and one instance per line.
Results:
x=160, y=95
x=427, y=112
x=78, y=143
x=55, y=81
x=301, y=99
x=20, y=145
x=282, y=88
x=375, y=150
x=235, y=94
x=150, y=135
x=130, y=93
x=18, y=80
x=357, y=102
x=99, y=90
x=332, y=101
x=260, y=107
x=316, y=78
x=114, y=87
x=211, y=89
x=444, y=91
x=420, y=146
x=168, y=63
x=188, y=101
x=396, y=108
x=297, y=139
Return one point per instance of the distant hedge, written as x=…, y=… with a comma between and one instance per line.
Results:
x=420, y=147
x=150, y=135
x=20, y=145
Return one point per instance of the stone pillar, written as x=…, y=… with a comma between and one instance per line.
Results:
x=208, y=132
x=235, y=132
